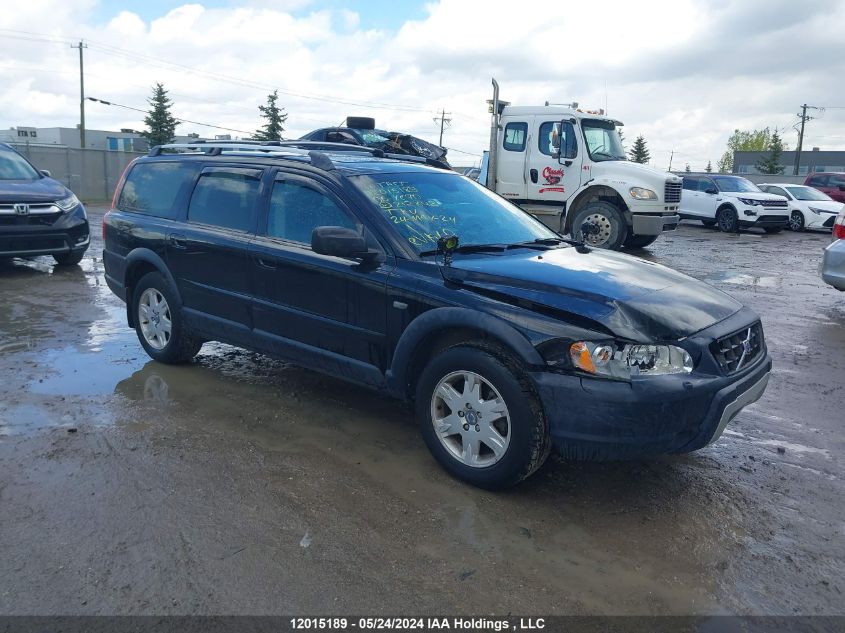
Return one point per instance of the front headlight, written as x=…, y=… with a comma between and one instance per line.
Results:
x=749, y=201
x=639, y=193
x=66, y=204
x=626, y=361
x=815, y=210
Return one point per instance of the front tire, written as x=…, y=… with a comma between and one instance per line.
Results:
x=639, y=241
x=480, y=418
x=796, y=221
x=69, y=259
x=608, y=226
x=727, y=219
x=158, y=321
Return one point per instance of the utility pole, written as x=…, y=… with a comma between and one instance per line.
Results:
x=804, y=118
x=443, y=121
x=671, y=156
x=81, y=46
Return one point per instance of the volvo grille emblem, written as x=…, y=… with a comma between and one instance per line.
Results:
x=21, y=209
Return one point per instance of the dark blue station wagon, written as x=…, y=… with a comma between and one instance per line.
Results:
x=508, y=340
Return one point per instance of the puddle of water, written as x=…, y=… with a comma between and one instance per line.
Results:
x=743, y=279
x=789, y=446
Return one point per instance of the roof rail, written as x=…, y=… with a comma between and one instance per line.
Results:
x=216, y=147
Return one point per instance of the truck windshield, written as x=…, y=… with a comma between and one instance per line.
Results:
x=603, y=142
x=425, y=206
x=14, y=167
x=735, y=184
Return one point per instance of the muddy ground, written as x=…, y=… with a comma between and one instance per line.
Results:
x=241, y=485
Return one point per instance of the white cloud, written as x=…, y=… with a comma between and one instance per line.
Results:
x=683, y=73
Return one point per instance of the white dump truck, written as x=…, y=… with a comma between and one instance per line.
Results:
x=567, y=168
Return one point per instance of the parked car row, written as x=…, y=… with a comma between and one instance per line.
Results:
x=731, y=203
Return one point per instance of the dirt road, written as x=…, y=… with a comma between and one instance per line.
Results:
x=241, y=485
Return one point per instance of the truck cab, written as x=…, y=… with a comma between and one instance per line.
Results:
x=567, y=167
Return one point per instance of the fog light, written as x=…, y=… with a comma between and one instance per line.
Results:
x=749, y=212
x=82, y=239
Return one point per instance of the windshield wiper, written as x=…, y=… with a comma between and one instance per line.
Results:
x=540, y=242
x=471, y=248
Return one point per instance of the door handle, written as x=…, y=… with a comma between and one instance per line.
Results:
x=178, y=241
x=534, y=175
x=266, y=263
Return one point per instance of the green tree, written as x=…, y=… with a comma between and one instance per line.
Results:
x=770, y=164
x=709, y=168
x=744, y=141
x=161, y=124
x=275, y=118
x=639, y=152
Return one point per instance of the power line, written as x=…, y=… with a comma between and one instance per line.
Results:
x=120, y=105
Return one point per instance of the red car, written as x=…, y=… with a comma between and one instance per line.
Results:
x=833, y=184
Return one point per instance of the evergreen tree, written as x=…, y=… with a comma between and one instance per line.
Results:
x=770, y=164
x=709, y=168
x=161, y=125
x=275, y=117
x=639, y=152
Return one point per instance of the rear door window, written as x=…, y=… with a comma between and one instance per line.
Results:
x=515, y=135
x=818, y=181
x=155, y=188
x=226, y=197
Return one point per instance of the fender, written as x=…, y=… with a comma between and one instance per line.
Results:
x=453, y=317
x=584, y=191
x=147, y=256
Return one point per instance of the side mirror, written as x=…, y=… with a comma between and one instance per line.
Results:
x=46, y=173
x=339, y=242
x=711, y=190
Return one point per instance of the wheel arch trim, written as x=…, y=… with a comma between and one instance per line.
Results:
x=140, y=256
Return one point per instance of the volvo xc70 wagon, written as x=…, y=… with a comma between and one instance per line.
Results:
x=507, y=339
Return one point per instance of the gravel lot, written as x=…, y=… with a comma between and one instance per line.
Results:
x=242, y=485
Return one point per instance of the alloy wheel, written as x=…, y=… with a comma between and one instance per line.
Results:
x=796, y=221
x=471, y=419
x=154, y=318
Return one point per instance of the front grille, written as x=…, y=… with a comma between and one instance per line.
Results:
x=672, y=192
x=28, y=220
x=772, y=219
x=738, y=350
x=773, y=203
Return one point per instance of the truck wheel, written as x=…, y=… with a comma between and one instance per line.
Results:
x=607, y=227
x=479, y=416
x=728, y=222
x=158, y=322
x=639, y=241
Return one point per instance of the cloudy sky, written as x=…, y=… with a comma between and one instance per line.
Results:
x=682, y=73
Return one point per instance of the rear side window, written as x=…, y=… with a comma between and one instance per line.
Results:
x=817, y=181
x=515, y=134
x=226, y=197
x=154, y=188
x=296, y=210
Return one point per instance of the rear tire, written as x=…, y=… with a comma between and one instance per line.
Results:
x=447, y=385
x=727, y=219
x=639, y=241
x=159, y=323
x=796, y=221
x=69, y=259
x=607, y=220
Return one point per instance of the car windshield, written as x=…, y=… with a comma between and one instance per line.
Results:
x=735, y=184
x=14, y=167
x=808, y=193
x=603, y=142
x=425, y=206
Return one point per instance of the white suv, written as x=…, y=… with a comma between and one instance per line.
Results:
x=732, y=203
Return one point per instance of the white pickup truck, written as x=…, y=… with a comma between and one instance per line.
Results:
x=567, y=168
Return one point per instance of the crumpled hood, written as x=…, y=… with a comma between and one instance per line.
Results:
x=635, y=299
x=41, y=190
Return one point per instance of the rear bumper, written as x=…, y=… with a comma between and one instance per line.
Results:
x=833, y=265
x=64, y=236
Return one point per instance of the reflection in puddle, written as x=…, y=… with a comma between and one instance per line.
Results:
x=743, y=279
